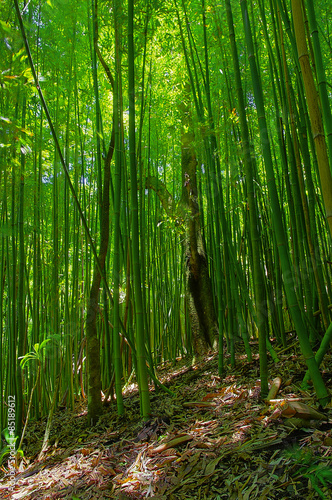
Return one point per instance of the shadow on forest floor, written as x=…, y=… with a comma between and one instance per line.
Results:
x=214, y=439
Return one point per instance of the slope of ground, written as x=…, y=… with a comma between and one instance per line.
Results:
x=213, y=439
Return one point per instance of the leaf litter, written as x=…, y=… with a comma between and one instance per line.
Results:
x=215, y=439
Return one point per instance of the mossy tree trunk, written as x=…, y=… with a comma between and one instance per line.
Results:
x=204, y=327
x=199, y=297
x=93, y=347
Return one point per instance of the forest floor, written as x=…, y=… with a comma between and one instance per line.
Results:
x=214, y=439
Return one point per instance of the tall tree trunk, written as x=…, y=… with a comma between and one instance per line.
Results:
x=92, y=340
x=204, y=327
x=199, y=297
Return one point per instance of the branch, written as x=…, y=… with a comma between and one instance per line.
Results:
x=99, y=54
x=164, y=195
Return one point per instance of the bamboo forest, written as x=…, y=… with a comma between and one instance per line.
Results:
x=165, y=249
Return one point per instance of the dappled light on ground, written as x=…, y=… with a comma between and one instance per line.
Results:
x=215, y=439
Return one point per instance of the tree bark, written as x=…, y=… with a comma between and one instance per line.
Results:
x=200, y=302
x=92, y=340
x=199, y=297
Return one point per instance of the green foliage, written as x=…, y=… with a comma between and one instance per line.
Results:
x=35, y=355
x=311, y=467
x=5, y=451
x=58, y=261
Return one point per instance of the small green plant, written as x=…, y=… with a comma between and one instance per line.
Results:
x=6, y=449
x=318, y=474
x=312, y=468
x=36, y=355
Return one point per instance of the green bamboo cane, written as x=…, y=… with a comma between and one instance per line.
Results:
x=56, y=241
x=2, y=336
x=314, y=217
x=116, y=215
x=307, y=263
x=94, y=369
x=324, y=347
x=258, y=277
x=77, y=257
x=307, y=205
x=142, y=198
x=98, y=118
x=37, y=268
x=294, y=185
x=217, y=195
x=321, y=74
x=58, y=148
x=314, y=110
x=67, y=176
x=21, y=288
x=12, y=299
x=106, y=359
x=140, y=335
x=308, y=208
x=68, y=376
x=316, y=377
x=10, y=252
